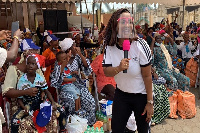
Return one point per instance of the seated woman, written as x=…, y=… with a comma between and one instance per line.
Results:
x=105, y=85
x=67, y=83
x=172, y=48
x=161, y=101
x=76, y=62
x=28, y=104
x=162, y=61
x=9, y=90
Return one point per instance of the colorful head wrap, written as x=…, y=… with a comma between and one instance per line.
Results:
x=40, y=60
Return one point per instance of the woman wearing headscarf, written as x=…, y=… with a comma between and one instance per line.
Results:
x=162, y=62
x=9, y=90
x=76, y=62
x=172, y=48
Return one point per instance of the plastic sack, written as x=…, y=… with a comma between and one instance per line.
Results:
x=186, y=104
x=173, y=105
x=82, y=121
x=75, y=124
x=191, y=71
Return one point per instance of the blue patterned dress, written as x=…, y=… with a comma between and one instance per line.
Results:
x=68, y=100
x=174, y=80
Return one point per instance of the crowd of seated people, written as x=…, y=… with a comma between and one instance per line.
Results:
x=68, y=62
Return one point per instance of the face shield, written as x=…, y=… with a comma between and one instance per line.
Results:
x=125, y=26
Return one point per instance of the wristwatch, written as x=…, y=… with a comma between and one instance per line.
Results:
x=150, y=101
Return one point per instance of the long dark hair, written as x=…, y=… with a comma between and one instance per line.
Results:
x=110, y=35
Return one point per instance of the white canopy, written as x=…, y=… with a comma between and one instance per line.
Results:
x=42, y=1
x=164, y=2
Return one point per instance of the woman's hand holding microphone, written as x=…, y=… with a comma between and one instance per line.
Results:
x=124, y=65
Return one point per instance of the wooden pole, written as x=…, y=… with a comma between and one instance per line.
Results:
x=11, y=9
x=81, y=17
x=132, y=9
x=29, y=16
x=183, y=13
x=16, y=10
x=198, y=79
x=87, y=10
x=100, y=14
x=6, y=15
x=93, y=18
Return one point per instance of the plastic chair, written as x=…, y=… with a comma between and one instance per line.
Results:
x=2, y=119
x=7, y=111
x=96, y=97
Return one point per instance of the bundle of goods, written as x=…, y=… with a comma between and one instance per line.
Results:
x=191, y=71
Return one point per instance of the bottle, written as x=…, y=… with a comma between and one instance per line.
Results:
x=87, y=130
x=109, y=123
x=101, y=117
x=97, y=130
x=101, y=131
x=105, y=128
x=92, y=130
x=97, y=115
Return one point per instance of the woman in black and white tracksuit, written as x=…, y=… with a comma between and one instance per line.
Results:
x=134, y=88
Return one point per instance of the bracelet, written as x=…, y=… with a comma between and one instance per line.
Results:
x=116, y=71
x=16, y=38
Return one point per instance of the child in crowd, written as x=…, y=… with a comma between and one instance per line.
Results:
x=31, y=79
x=67, y=86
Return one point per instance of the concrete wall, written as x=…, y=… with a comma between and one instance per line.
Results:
x=104, y=18
x=16, y=15
x=25, y=14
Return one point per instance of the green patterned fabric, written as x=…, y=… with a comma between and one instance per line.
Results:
x=161, y=103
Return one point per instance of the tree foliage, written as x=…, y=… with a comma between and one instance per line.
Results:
x=142, y=7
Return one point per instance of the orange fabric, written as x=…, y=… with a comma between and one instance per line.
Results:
x=101, y=79
x=173, y=105
x=186, y=104
x=49, y=56
x=191, y=71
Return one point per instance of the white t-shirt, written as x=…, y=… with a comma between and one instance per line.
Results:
x=3, y=55
x=182, y=47
x=140, y=55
